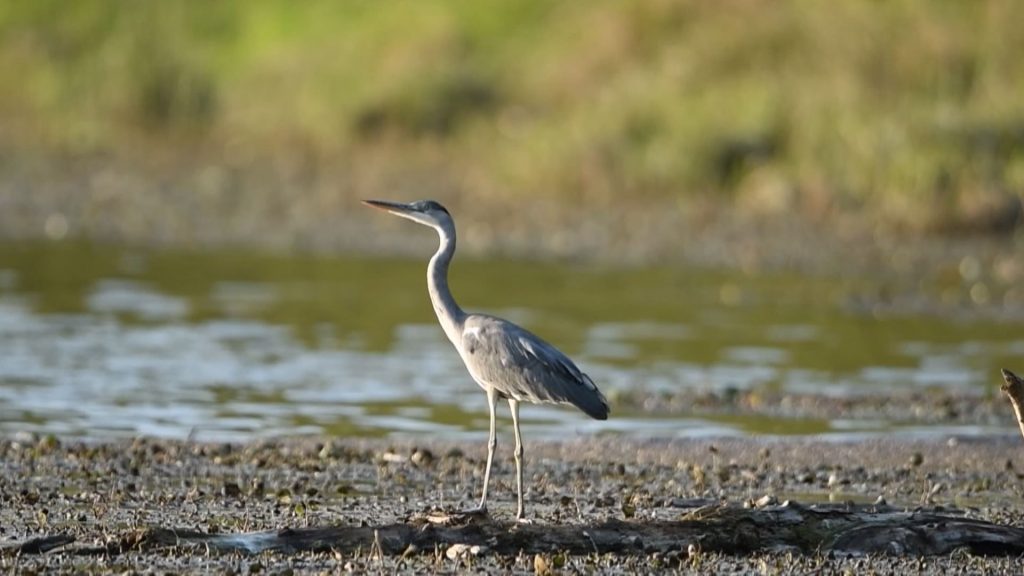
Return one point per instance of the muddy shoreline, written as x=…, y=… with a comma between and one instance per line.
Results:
x=934, y=406
x=99, y=492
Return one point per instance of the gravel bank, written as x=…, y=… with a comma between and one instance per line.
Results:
x=103, y=492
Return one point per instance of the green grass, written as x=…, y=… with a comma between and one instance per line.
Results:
x=910, y=112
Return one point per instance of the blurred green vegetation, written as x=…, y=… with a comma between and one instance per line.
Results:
x=906, y=112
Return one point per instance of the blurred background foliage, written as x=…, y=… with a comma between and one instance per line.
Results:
x=264, y=119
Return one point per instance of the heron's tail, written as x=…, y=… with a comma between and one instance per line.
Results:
x=594, y=403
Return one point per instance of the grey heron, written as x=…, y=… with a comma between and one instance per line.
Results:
x=506, y=360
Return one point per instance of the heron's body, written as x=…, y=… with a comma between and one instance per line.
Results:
x=523, y=367
x=506, y=360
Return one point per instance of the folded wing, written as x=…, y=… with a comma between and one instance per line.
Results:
x=522, y=366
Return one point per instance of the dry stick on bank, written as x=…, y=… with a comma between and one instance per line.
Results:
x=706, y=525
x=1014, y=389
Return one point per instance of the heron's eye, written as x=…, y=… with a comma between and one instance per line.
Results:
x=430, y=206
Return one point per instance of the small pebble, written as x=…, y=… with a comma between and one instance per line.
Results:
x=421, y=457
x=327, y=451
x=540, y=566
x=456, y=551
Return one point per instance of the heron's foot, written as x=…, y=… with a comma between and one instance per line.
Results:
x=475, y=511
x=525, y=521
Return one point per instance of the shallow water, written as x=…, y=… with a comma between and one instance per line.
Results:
x=99, y=342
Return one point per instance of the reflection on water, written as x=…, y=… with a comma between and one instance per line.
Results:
x=106, y=341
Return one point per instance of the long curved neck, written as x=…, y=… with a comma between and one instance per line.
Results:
x=448, y=312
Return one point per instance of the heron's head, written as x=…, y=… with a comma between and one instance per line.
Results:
x=426, y=212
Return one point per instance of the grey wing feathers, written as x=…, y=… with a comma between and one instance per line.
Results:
x=522, y=366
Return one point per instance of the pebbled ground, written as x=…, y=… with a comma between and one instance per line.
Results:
x=102, y=493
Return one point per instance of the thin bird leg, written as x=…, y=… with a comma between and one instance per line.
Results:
x=514, y=406
x=492, y=444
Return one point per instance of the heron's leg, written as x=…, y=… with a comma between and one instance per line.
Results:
x=492, y=443
x=514, y=406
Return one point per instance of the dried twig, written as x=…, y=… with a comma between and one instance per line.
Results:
x=1014, y=389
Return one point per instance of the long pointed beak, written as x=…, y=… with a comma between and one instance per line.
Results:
x=392, y=207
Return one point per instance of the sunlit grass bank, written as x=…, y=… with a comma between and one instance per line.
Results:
x=177, y=120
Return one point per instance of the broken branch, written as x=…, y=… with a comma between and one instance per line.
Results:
x=1014, y=389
